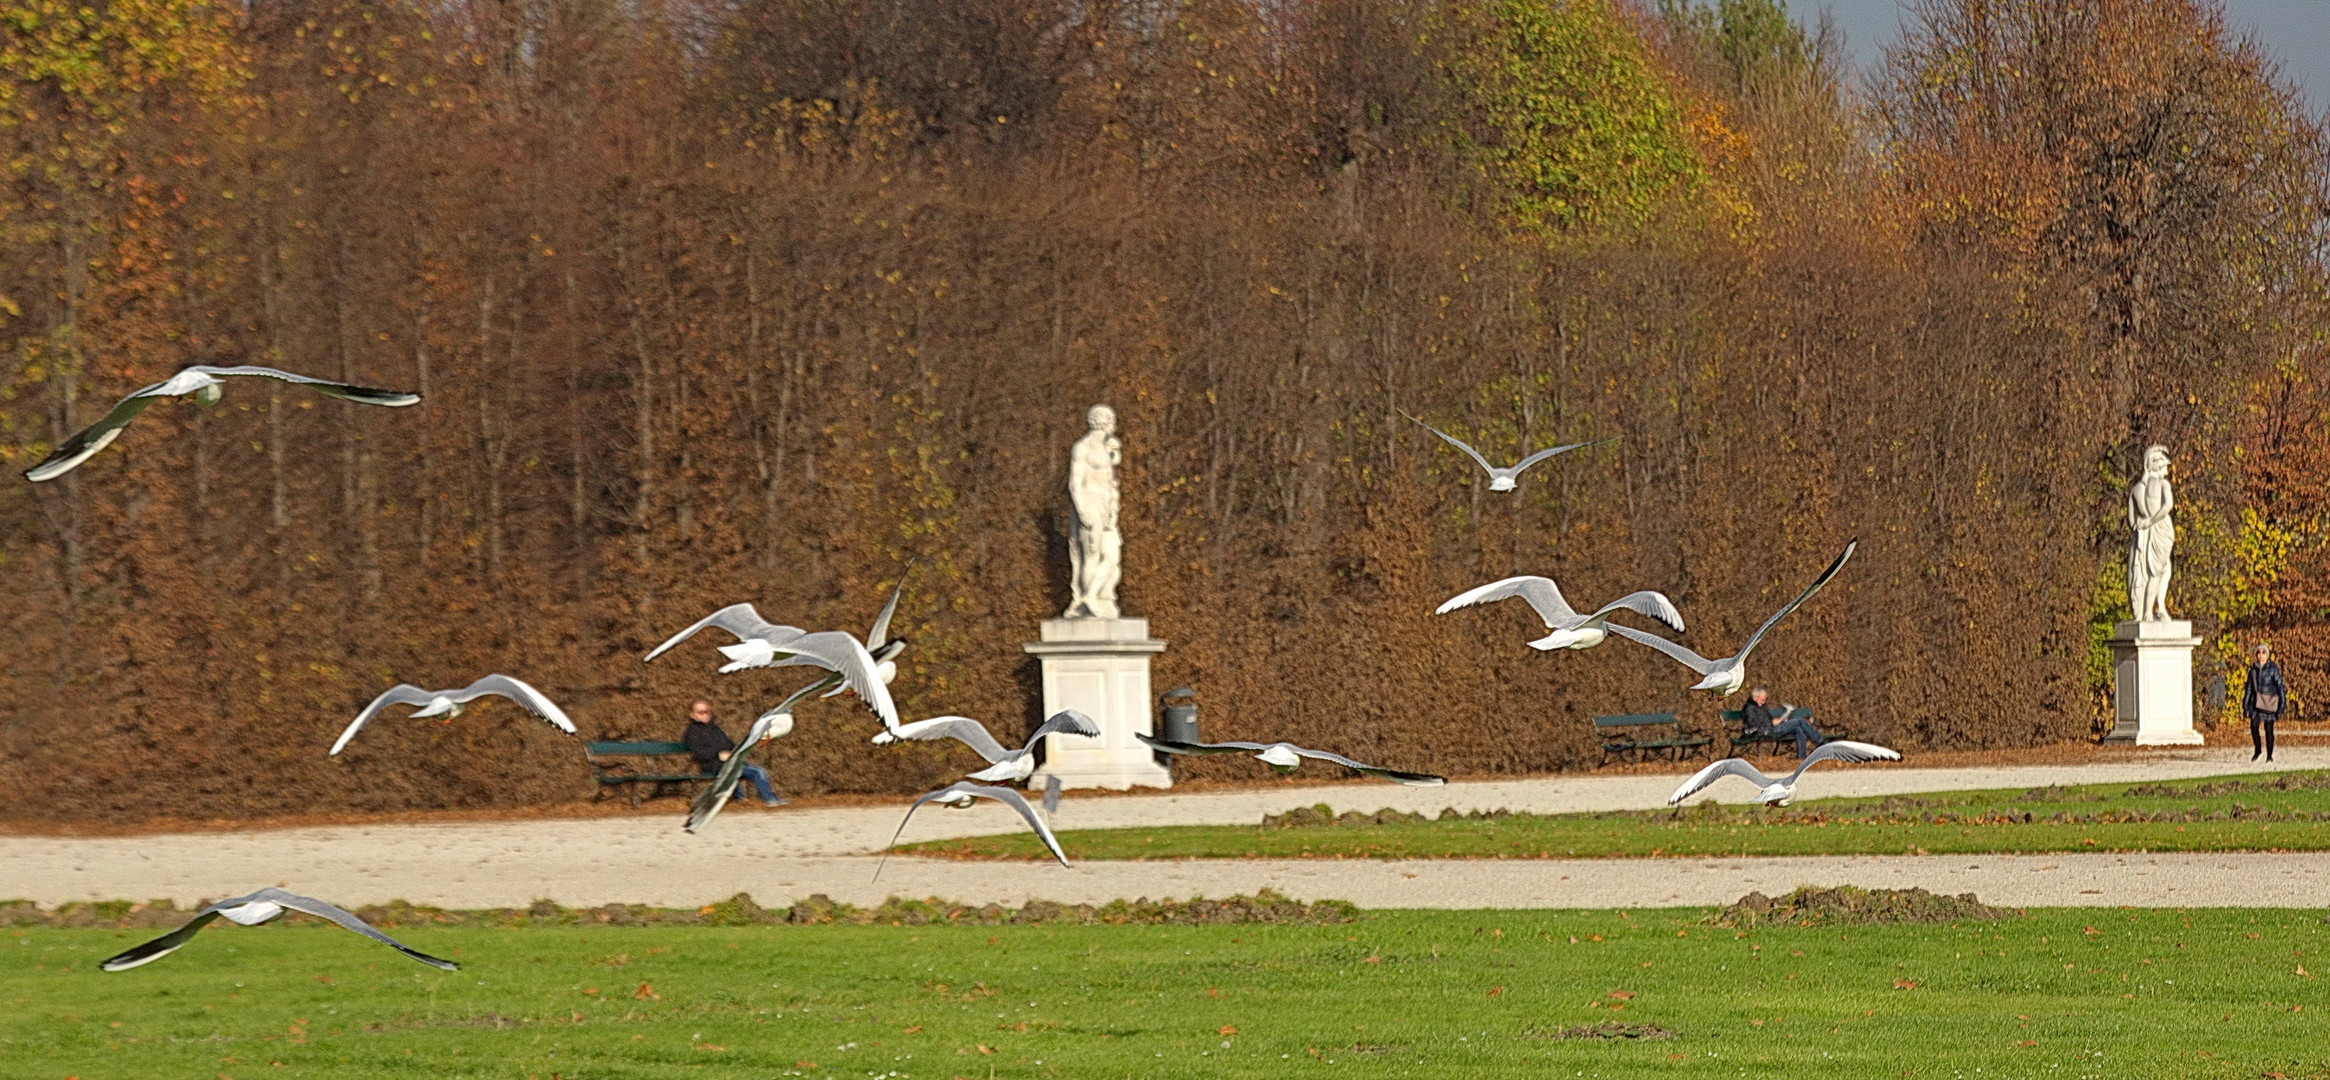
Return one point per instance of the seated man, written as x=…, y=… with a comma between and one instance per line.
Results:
x=1756, y=719
x=711, y=746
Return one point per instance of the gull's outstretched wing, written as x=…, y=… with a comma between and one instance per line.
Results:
x=400, y=694
x=1681, y=655
x=318, y=908
x=1457, y=443
x=526, y=696
x=1200, y=749
x=963, y=729
x=363, y=395
x=738, y=619
x=1647, y=602
x=85, y=443
x=960, y=788
x=160, y=947
x=880, y=634
x=1541, y=593
x=846, y=656
x=1412, y=779
x=1719, y=770
x=1065, y=722
x=1552, y=451
x=1801, y=597
x=1844, y=750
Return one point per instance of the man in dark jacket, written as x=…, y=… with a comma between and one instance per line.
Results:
x=2263, y=700
x=1756, y=719
x=711, y=746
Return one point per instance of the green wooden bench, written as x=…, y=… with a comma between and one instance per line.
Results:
x=1622, y=735
x=1740, y=737
x=612, y=772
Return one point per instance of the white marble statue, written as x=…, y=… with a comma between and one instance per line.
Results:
x=1096, y=553
x=2149, y=503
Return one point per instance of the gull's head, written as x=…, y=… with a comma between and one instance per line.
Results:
x=1500, y=483
x=1777, y=795
x=780, y=724
x=1281, y=757
x=208, y=393
x=440, y=706
x=253, y=913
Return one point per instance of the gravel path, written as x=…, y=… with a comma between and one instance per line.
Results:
x=781, y=855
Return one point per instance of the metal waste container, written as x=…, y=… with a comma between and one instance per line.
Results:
x=1176, y=720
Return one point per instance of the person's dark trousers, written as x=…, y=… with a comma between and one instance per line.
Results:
x=757, y=777
x=1804, y=732
x=2260, y=743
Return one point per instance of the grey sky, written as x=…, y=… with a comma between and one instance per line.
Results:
x=2297, y=32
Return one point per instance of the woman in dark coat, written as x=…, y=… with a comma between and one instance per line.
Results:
x=2263, y=701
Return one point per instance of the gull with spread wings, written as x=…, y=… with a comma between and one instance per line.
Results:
x=252, y=910
x=1285, y=756
x=1728, y=674
x=1778, y=792
x=449, y=703
x=1003, y=765
x=204, y=384
x=961, y=794
x=1501, y=479
x=1570, y=629
x=864, y=668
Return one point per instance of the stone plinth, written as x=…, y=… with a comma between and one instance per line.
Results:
x=1099, y=667
x=2152, y=683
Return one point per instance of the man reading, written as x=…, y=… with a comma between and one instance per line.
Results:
x=1756, y=718
x=711, y=746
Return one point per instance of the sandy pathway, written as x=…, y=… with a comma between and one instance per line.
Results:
x=781, y=855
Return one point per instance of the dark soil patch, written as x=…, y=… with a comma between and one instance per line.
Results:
x=1809, y=906
x=1614, y=1030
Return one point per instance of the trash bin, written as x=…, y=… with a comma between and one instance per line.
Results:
x=1176, y=720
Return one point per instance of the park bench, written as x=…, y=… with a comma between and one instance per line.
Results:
x=1635, y=733
x=1740, y=738
x=612, y=772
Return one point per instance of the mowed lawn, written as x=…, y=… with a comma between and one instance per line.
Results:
x=2058, y=993
x=2277, y=812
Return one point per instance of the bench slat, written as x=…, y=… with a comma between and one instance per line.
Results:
x=1634, y=720
x=635, y=749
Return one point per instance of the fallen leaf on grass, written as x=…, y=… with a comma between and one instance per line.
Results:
x=709, y=1046
x=985, y=1049
x=912, y=1030
x=645, y=993
x=1225, y=1029
x=1495, y=990
x=1905, y=984
x=2028, y=1042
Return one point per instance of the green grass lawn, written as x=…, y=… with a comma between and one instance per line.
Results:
x=2059, y=993
x=2276, y=812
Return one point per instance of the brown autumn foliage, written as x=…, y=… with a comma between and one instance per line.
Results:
x=761, y=301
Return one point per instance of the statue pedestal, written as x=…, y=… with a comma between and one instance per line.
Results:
x=1099, y=667
x=2152, y=684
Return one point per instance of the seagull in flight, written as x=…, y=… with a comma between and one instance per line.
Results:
x=1570, y=629
x=449, y=703
x=204, y=384
x=1727, y=675
x=251, y=911
x=1778, y=792
x=865, y=668
x=1504, y=479
x=960, y=795
x=1285, y=756
x=1004, y=765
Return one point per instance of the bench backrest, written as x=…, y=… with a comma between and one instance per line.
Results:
x=1735, y=716
x=634, y=749
x=1646, y=719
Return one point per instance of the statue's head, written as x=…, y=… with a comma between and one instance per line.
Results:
x=2156, y=461
x=1101, y=418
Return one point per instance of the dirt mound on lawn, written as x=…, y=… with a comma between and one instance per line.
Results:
x=1849, y=906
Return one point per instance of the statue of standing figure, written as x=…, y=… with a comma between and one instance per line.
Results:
x=1096, y=554
x=2149, y=503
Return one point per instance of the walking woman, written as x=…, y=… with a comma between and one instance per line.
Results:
x=2262, y=701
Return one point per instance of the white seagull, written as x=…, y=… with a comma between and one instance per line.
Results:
x=1779, y=792
x=1285, y=756
x=204, y=384
x=1504, y=479
x=449, y=703
x=1570, y=629
x=1004, y=765
x=1727, y=675
x=960, y=795
x=251, y=911
x=852, y=664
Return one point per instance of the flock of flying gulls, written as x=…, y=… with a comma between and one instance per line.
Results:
x=865, y=667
